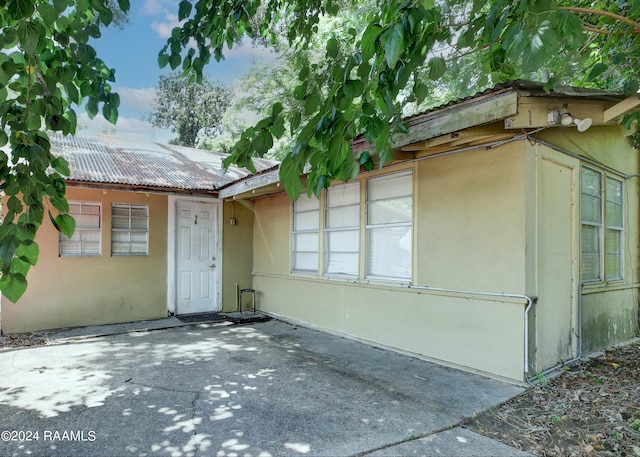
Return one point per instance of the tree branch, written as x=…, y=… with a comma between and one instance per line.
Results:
x=615, y=16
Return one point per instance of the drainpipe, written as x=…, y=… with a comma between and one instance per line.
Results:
x=530, y=302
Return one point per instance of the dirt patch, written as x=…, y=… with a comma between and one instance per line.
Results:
x=16, y=340
x=591, y=409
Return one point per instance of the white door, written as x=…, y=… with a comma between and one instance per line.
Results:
x=196, y=263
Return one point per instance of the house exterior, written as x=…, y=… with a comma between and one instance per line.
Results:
x=499, y=240
x=148, y=238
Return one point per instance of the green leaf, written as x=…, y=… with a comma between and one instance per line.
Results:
x=290, y=171
x=8, y=246
x=60, y=5
x=163, y=59
x=60, y=203
x=262, y=143
x=13, y=286
x=14, y=204
x=312, y=103
x=366, y=161
x=92, y=107
x=300, y=91
x=61, y=165
x=184, y=10
x=20, y=9
x=110, y=112
x=29, y=252
x=4, y=139
x=368, y=41
x=437, y=68
x=174, y=60
x=631, y=87
x=394, y=44
x=278, y=129
x=332, y=48
x=421, y=91
x=49, y=13
x=65, y=224
x=353, y=88
x=294, y=122
x=29, y=35
x=597, y=70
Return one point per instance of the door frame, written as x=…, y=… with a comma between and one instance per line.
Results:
x=573, y=165
x=171, y=248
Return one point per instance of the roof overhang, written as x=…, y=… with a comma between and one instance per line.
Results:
x=253, y=186
x=138, y=188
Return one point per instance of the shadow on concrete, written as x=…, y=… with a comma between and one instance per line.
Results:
x=270, y=389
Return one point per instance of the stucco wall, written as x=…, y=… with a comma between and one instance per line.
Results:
x=74, y=291
x=237, y=251
x=468, y=234
x=470, y=221
x=609, y=308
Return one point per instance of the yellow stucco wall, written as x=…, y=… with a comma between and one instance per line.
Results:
x=237, y=251
x=470, y=220
x=608, y=310
x=469, y=235
x=504, y=220
x=614, y=302
x=75, y=291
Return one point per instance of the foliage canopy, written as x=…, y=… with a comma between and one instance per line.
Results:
x=345, y=85
x=191, y=110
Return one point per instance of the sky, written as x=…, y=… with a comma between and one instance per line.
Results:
x=133, y=52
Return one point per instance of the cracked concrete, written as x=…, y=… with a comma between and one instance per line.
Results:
x=268, y=389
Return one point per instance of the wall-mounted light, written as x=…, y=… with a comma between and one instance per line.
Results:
x=563, y=117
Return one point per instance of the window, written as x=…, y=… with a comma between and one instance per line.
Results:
x=614, y=227
x=129, y=229
x=306, y=216
x=342, y=230
x=601, y=203
x=87, y=237
x=389, y=226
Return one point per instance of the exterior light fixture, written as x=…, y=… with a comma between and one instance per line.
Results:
x=563, y=117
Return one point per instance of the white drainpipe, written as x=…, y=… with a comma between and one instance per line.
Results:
x=530, y=301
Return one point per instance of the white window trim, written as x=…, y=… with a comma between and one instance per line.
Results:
x=354, y=228
x=63, y=239
x=602, y=230
x=370, y=227
x=130, y=230
x=295, y=232
x=619, y=229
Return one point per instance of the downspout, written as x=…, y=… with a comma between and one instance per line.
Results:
x=530, y=301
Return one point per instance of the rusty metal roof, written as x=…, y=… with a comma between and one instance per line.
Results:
x=104, y=159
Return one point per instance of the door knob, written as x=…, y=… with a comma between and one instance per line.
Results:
x=213, y=265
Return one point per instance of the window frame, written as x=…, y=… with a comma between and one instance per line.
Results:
x=371, y=228
x=619, y=229
x=81, y=231
x=297, y=233
x=344, y=229
x=130, y=230
x=603, y=227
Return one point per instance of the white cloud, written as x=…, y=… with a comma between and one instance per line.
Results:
x=137, y=99
x=163, y=29
x=159, y=7
x=126, y=127
x=247, y=51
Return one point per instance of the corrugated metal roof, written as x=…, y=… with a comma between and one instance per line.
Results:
x=112, y=160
